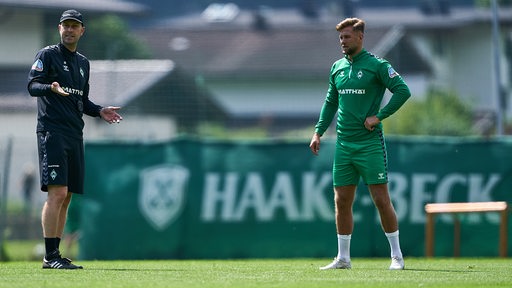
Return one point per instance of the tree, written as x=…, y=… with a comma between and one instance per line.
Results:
x=108, y=38
x=441, y=113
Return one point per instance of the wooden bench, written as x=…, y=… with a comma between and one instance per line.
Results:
x=469, y=207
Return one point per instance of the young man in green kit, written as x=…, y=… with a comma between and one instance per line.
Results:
x=356, y=89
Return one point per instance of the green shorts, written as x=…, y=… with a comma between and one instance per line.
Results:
x=366, y=159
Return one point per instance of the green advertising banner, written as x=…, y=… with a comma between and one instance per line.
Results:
x=220, y=199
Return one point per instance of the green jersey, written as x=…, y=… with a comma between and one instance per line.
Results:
x=356, y=90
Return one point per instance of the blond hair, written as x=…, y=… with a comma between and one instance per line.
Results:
x=356, y=24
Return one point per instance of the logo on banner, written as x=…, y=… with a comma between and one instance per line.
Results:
x=162, y=194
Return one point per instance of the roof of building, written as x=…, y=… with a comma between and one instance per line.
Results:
x=100, y=6
x=119, y=82
x=285, y=43
x=153, y=87
x=139, y=86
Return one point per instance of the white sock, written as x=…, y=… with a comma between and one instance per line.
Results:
x=394, y=243
x=344, y=247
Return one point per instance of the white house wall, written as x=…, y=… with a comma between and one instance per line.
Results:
x=266, y=98
x=471, y=56
x=21, y=36
x=132, y=128
x=462, y=61
x=20, y=130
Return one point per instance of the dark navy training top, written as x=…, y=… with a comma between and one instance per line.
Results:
x=56, y=113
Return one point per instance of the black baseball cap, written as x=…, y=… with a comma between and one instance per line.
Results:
x=71, y=15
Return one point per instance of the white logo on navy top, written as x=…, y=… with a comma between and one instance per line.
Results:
x=53, y=174
x=65, y=66
x=81, y=72
x=38, y=65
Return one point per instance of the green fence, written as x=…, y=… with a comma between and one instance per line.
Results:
x=207, y=199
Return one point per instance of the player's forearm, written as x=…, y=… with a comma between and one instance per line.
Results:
x=326, y=115
x=91, y=109
x=36, y=89
x=397, y=100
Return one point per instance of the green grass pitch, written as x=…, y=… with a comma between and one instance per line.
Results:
x=279, y=273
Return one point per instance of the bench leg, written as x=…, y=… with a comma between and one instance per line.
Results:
x=429, y=236
x=456, y=235
x=503, y=233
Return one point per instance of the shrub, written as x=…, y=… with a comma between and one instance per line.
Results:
x=440, y=113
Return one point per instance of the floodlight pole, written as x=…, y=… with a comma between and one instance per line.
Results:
x=497, y=69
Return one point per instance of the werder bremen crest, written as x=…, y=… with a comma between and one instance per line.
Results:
x=161, y=194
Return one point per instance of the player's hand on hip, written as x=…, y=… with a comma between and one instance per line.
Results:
x=55, y=86
x=370, y=122
x=110, y=114
x=314, y=145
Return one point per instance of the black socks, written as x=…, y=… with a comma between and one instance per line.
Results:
x=52, y=248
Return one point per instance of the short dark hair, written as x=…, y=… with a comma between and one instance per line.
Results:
x=356, y=24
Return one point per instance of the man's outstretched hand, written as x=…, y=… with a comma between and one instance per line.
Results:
x=110, y=115
x=55, y=86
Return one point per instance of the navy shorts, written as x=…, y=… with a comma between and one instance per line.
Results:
x=61, y=161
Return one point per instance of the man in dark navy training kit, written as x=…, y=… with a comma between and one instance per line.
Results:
x=59, y=78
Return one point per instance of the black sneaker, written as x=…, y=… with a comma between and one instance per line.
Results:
x=69, y=262
x=59, y=263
